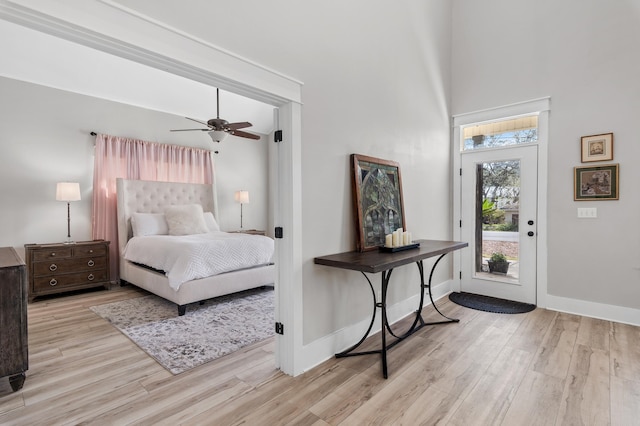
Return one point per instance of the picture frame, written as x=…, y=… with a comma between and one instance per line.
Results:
x=377, y=200
x=596, y=183
x=597, y=148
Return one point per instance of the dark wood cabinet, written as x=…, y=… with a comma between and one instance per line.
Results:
x=14, y=354
x=56, y=268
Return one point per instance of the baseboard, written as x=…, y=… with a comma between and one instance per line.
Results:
x=593, y=309
x=326, y=347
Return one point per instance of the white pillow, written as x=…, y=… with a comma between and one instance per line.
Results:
x=148, y=224
x=212, y=225
x=187, y=219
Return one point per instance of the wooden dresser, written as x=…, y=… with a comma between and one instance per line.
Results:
x=14, y=356
x=56, y=268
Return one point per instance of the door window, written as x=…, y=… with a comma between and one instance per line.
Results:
x=497, y=219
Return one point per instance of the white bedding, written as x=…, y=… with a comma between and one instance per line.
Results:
x=188, y=257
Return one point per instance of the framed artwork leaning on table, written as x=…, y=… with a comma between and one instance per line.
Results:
x=377, y=200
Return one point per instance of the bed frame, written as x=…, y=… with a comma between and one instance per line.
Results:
x=152, y=197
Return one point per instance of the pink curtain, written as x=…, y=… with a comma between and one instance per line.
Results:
x=117, y=157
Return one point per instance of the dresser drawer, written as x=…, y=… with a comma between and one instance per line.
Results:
x=57, y=282
x=52, y=253
x=89, y=251
x=64, y=266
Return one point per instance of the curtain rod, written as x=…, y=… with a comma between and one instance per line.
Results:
x=215, y=152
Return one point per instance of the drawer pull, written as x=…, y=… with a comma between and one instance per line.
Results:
x=90, y=277
x=91, y=263
x=53, y=282
x=90, y=251
x=53, y=267
x=53, y=254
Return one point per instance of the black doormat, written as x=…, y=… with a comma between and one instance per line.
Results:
x=490, y=304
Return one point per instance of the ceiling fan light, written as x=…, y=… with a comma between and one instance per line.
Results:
x=218, y=135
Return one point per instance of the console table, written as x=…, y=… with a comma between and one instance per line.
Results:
x=385, y=262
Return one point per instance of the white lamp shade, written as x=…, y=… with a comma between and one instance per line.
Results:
x=218, y=135
x=68, y=191
x=242, y=197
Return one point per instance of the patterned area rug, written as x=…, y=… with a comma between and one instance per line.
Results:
x=206, y=332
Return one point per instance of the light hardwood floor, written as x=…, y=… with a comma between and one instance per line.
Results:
x=542, y=367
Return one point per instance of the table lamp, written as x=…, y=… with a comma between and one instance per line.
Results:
x=242, y=197
x=68, y=191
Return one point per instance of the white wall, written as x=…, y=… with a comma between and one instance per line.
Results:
x=241, y=164
x=45, y=139
x=584, y=54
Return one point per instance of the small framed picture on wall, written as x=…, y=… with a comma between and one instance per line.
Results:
x=597, y=147
x=596, y=183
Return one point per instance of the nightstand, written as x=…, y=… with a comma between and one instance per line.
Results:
x=57, y=268
x=249, y=231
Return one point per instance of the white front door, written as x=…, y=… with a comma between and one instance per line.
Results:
x=499, y=194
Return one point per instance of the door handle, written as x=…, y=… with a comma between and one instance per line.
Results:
x=530, y=233
x=530, y=222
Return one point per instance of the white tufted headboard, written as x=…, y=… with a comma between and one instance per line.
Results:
x=152, y=197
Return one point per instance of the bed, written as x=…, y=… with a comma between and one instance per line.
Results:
x=148, y=199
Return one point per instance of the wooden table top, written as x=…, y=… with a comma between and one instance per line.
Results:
x=378, y=261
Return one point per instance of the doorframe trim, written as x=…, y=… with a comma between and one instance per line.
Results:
x=542, y=107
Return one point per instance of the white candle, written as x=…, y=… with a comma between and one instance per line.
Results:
x=405, y=238
x=394, y=239
x=388, y=240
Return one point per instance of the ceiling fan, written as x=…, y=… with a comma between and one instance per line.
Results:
x=219, y=128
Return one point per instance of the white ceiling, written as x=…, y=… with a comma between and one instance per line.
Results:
x=42, y=59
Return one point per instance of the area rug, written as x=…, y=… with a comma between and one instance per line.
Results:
x=206, y=332
x=490, y=304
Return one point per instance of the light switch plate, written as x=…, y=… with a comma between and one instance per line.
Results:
x=587, y=212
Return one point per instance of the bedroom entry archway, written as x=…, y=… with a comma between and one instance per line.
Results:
x=173, y=51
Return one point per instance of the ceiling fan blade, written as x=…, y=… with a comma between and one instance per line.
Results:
x=242, y=125
x=197, y=121
x=244, y=134
x=188, y=130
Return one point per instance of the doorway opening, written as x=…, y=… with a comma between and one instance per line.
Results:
x=499, y=191
x=220, y=70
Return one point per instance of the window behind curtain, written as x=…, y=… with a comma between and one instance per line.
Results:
x=117, y=157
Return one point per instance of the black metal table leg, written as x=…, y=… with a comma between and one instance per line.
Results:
x=433, y=268
x=384, y=323
x=376, y=305
x=385, y=327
